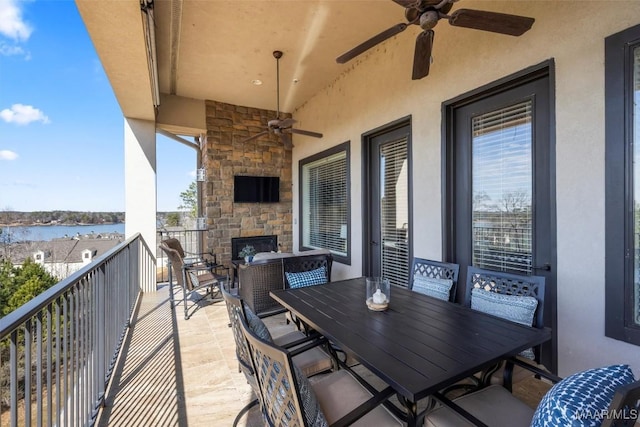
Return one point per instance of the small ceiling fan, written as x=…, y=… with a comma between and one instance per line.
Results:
x=278, y=126
x=426, y=14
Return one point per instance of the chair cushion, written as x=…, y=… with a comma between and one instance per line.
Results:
x=518, y=309
x=582, y=398
x=433, y=287
x=339, y=392
x=493, y=405
x=256, y=325
x=271, y=255
x=307, y=278
x=312, y=361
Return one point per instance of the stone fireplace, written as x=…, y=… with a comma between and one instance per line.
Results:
x=224, y=156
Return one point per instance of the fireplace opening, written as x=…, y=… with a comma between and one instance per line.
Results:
x=260, y=244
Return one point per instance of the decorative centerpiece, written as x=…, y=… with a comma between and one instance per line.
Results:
x=378, y=293
x=247, y=253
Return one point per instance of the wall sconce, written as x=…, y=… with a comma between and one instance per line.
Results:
x=201, y=223
x=201, y=175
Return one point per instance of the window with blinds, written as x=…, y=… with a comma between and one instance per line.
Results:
x=325, y=202
x=394, y=211
x=502, y=183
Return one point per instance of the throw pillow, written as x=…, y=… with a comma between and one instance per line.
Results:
x=313, y=413
x=581, y=399
x=437, y=288
x=307, y=278
x=256, y=325
x=518, y=309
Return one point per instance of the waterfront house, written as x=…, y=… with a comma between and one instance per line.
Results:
x=62, y=257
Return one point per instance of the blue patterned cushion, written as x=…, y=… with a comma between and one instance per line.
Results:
x=256, y=325
x=518, y=309
x=307, y=278
x=437, y=288
x=314, y=415
x=581, y=399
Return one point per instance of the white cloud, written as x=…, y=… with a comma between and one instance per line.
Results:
x=11, y=23
x=23, y=114
x=192, y=173
x=8, y=155
x=9, y=50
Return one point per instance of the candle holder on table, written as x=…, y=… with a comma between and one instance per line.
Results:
x=378, y=293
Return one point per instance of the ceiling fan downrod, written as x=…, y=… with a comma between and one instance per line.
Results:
x=277, y=54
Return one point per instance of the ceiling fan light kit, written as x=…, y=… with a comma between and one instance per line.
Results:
x=281, y=127
x=426, y=14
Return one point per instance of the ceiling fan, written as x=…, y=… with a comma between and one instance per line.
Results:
x=278, y=126
x=426, y=14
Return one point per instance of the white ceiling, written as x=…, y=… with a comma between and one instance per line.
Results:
x=213, y=49
x=224, y=45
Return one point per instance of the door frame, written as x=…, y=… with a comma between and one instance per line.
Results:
x=545, y=69
x=366, y=142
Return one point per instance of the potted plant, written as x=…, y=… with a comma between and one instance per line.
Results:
x=247, y=253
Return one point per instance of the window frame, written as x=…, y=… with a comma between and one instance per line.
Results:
x=619, y=227
x=344, y=147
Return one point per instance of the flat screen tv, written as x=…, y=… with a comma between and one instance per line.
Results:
x=256, y=189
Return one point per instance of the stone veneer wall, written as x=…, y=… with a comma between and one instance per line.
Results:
x=226, y=156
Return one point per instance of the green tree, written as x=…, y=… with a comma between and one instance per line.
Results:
x=20, y=284
x=173, y=219
x=190, y=200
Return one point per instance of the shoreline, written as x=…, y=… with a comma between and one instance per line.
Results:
x=66, y=224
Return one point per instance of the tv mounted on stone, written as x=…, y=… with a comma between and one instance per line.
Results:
x=256, y=189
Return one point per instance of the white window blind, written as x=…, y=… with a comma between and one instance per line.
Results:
x=394, y=211
x=502, y=187
x=325, y=204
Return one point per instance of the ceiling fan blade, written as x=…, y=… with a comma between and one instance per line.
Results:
x=257, y=135
x=286, y=140
x=406, y=3
x=305, y=132
x=286, y=123
x=422, y=55
x=502, y=23
x=363, y=47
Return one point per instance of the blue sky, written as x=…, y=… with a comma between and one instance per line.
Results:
x=61, y=129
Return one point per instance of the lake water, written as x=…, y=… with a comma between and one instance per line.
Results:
x=49, y=232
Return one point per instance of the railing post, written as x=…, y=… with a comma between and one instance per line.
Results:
x=100, y=331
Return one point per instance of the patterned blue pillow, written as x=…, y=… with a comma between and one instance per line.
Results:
x=518, y=309
x=307, y=278
x=256, y=325
x=581, y=399
x=437, y=288
x=313, y=413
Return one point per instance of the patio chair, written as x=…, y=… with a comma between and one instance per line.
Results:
x=309, y=357
x=306, y=270
x=584, y=398
x=194, y=277
x=288, y=398
x=189, y=257
x=434, y=278
x=256, y=280
x=513, y=297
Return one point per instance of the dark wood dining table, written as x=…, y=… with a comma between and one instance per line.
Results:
x=419, y=345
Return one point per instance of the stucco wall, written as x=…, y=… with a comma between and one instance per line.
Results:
x=376, y=89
